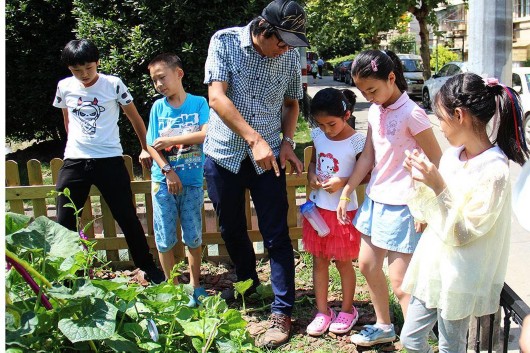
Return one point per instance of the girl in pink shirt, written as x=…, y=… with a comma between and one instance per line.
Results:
x=395, y=124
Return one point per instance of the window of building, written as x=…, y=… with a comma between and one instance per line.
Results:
x=521, y=8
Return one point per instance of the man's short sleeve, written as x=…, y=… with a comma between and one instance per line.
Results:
x=216, y=67
x=294, y=89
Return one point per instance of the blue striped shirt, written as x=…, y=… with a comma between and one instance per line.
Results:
x=256, y=85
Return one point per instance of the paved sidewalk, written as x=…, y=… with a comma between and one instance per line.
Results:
x=518, y=263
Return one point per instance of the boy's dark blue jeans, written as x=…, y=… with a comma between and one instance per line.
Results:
x=269, y=195
x=111, y=177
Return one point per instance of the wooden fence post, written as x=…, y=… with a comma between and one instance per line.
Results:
x=13, y=179
x=35, y=178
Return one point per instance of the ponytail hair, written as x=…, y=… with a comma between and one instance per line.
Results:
x=378, y=64
x=333, y=102
x=486, y=99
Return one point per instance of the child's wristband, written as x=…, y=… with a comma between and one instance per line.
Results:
x=345, y=199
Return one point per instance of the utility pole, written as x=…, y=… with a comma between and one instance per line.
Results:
x=490, y=33
x=490, y=38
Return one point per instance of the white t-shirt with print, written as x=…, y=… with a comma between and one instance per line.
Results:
x=335, y=159
x=93, y=114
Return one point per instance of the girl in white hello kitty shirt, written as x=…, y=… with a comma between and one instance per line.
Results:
x=336, y=147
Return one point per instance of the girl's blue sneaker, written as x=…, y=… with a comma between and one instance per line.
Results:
x=198, y=295
x=371, y=335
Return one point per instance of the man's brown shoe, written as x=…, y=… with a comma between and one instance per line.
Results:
x=278, y=333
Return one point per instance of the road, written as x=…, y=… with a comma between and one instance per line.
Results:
x=518, y=277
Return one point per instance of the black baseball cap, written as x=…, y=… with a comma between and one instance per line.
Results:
x=289, y=19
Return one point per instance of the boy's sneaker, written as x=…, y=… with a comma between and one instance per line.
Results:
x=371, y=335
x=278, y=332
x=154, y=274
x=198, y=296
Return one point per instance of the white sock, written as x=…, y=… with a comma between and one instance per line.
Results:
x=384, y=327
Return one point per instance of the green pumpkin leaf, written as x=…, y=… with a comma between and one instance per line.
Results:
x=15, y=222
x=242, y=286
x=46, y=234
x=97, y=321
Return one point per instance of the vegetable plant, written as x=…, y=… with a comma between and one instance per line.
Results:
x=53, y=304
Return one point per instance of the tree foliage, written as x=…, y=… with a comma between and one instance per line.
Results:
x=403, y=43
x=442, y=55
x=36, y=31
x=342, y=27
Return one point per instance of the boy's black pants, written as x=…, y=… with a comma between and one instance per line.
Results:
x=110, y=176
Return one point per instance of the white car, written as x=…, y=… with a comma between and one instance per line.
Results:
x=520, y=83
x=433, y=84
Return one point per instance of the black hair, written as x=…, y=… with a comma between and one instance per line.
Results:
x=469, y=91
x=379, y=64
x=79, y=52
x=334, y=102
x=170, y=59
x=257, y=27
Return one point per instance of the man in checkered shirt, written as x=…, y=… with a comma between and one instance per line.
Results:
x=254, y=84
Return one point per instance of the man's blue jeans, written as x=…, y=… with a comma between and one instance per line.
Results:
x=269, y=194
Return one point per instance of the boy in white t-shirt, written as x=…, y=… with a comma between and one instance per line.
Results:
x=90, y=103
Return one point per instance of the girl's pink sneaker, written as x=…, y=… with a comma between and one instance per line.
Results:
x=344, y=322
x=320, y=323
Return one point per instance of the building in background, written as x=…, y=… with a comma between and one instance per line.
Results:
x=452, y=29
x=521, y=33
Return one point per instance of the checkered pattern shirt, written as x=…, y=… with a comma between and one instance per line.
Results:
x=256, y=85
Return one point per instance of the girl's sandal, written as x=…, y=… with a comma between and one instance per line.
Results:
x=320, y=323
x=344, y=322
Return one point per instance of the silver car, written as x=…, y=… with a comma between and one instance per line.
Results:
x=413, y=72
x=433, y=84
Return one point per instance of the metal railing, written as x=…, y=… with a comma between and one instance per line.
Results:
x=515, y=309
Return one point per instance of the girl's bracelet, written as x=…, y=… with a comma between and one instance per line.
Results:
x=344, y=198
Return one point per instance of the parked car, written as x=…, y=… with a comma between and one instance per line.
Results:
x=520, y=83
x=342, y=70
x=336, y=72
x=347, y=75
x=433, y=84
x=413, y=72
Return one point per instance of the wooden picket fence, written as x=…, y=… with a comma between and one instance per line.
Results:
x=33, y=199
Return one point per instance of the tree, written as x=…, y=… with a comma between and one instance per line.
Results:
x=36, y=31
x=342, y=27
x=426, y=16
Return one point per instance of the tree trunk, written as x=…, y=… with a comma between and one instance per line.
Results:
x=421, y=15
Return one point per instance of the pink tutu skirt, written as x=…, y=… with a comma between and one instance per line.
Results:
x=342, y=242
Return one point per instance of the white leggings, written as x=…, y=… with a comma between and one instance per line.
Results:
x=420, y=321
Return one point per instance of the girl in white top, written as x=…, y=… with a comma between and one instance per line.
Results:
x=459, y=265
x=336, y=148
x=395, y=124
